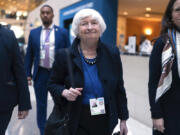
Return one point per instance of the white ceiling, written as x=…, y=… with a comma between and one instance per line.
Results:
x=137, y=8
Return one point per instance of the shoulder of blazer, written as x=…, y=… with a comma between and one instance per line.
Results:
x=61, y=30
x=36, y=29
x=112, y=50
x=6, y=31
x=7, y=39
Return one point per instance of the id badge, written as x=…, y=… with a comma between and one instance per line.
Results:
x=42, y=55
x=97, y=106
x=46, y=43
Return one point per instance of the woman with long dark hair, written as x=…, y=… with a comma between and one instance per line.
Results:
x=164, y=74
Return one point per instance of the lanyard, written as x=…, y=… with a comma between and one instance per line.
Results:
x=47, y=35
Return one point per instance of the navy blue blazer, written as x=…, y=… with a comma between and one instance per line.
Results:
x=33, y=49
x=110, y=73
x=13, y=83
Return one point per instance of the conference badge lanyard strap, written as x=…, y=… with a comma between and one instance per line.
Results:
x=45, y=43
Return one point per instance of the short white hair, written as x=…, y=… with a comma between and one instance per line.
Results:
x=86, y=13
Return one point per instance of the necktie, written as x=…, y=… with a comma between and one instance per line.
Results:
x=46, y=49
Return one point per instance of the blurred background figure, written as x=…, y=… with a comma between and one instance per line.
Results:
x=145, y=45
x=43, y=43
x=13, y=83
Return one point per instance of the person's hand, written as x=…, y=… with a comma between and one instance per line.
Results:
x=72, y=93
x=123, y=128
x=22, y=114
x=29, y=80
x=158, y=124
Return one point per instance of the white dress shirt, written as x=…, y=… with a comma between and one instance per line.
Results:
x=51, y=43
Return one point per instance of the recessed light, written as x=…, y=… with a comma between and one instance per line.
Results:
x=8, y=12
x=148, y=9
x=25, y=13
x=147, y=15
x=18, y=13
x=125, y=13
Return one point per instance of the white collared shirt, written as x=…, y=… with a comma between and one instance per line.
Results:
x=51, y=43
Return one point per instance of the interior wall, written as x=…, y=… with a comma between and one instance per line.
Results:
x=121, y=31
x=34, y=20
x=136, y=27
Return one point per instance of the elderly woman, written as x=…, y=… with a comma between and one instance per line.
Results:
x=164, y=75
x=98, y=96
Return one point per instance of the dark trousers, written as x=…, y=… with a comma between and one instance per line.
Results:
x=4, y=121
x=92, y=125
x=155, y=132
x=40, y=86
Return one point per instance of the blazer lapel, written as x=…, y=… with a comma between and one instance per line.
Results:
x=102, y=66
x=103, y=70
x=56, y=36
x=39, y=37
x=75, y=53
x=0, y=31
x=78, y=63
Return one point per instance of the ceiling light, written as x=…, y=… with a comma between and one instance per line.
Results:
x=148, y=9
x=25, y=13
x=8, y=12
x=148, y=31
x=147, y=15
x=125, y=13
x=18, y=13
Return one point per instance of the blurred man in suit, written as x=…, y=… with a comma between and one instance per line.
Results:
x=13, y=84
x=43, y=43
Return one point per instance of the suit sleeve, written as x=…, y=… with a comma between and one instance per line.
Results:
x=121, y=99
x=20, y=77
x=29, y=57
x=154, y=76
x=57, y=78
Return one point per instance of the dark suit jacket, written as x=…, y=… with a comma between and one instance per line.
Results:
x=13, y=83
x=110, y=73
x=33, y=50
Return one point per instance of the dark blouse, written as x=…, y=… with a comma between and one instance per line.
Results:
x=172, y=96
